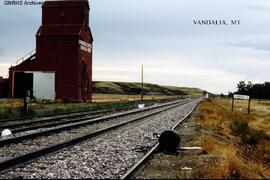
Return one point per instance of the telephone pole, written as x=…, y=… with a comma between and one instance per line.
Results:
x=142, y=84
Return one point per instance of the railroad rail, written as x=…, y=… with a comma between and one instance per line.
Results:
x=57, y=119
x=138, y=167
x=55, y=115
x=69, y=114
x=88, y=121
x=9, y=163
x=54, y=121
x=31, y=123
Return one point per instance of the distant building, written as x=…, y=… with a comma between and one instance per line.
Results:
x=61, y=66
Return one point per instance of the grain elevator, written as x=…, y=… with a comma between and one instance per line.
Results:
x=61, y=65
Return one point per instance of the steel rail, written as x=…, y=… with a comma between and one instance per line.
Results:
x=138, y=167
x=28, y=157
x=10, y=126
x=65, y=115
x=59, y=120
x=47, y=125
x=79, y=124
x=73, y=112
x=43, y=116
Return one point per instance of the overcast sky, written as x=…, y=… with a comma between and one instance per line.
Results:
x=161, y=35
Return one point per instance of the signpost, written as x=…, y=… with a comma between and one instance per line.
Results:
x=26, y=100
x=243, y=97
x=238, y=96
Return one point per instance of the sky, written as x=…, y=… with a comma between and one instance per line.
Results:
x=160, y=34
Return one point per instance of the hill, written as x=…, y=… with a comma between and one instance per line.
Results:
x=132, y=88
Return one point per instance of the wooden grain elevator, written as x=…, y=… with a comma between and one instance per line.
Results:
x=61, y=66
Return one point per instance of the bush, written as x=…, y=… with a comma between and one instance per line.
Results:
x=8, y=113
x=239, y=127
x=249, y=138
x=31, y=112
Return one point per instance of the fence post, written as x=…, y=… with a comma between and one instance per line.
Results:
x=232, y=103
x=249, y=105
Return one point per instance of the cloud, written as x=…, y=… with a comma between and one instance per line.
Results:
x=263, y=45
x=210, y=79
x=4, y=69
x=258, y=8
x=160, y=34
x=2, y=52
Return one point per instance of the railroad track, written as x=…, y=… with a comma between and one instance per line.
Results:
x=14, y=125
x=138, y=167
x=30, y=118
x=56, y=116
x=27, y=124
x=30, y=148
x=15, y=138
x=55, y=121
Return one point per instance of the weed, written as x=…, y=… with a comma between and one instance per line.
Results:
x=244, y=152
x=250, y=141
x=239, y=126
x=231, y=168
x=31, y=112
x=249, y=138
x=207, y=144
x=8, y=113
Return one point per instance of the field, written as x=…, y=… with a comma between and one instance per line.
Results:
x=238, y=142
x=121, y=97
x=133, y=88
x=106, y=95
x=13, y=108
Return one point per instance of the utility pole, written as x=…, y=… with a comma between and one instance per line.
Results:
x=142, y=84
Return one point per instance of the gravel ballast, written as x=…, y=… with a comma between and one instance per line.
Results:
x=105, y=156
x=29, y=145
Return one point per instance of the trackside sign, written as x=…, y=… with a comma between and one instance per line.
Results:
x=238, y=96
x=245, y=97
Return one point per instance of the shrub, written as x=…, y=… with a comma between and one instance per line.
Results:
x=31, y=111
x=249, y=138
x=239, y=127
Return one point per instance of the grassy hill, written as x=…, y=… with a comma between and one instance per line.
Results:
x=132, y=88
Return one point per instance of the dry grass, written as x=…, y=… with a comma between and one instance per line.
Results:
x=4, y=103
x=223, y=138
x=120, y=97
x=232, y=167
x=133, y=88
x=10, y=107
x=13, y=108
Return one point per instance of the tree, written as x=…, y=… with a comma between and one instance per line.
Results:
x=258, y=91
x=230, y=94
x=241, y=86
x=249, y=86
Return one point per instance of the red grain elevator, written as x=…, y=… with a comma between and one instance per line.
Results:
x=63, y=58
